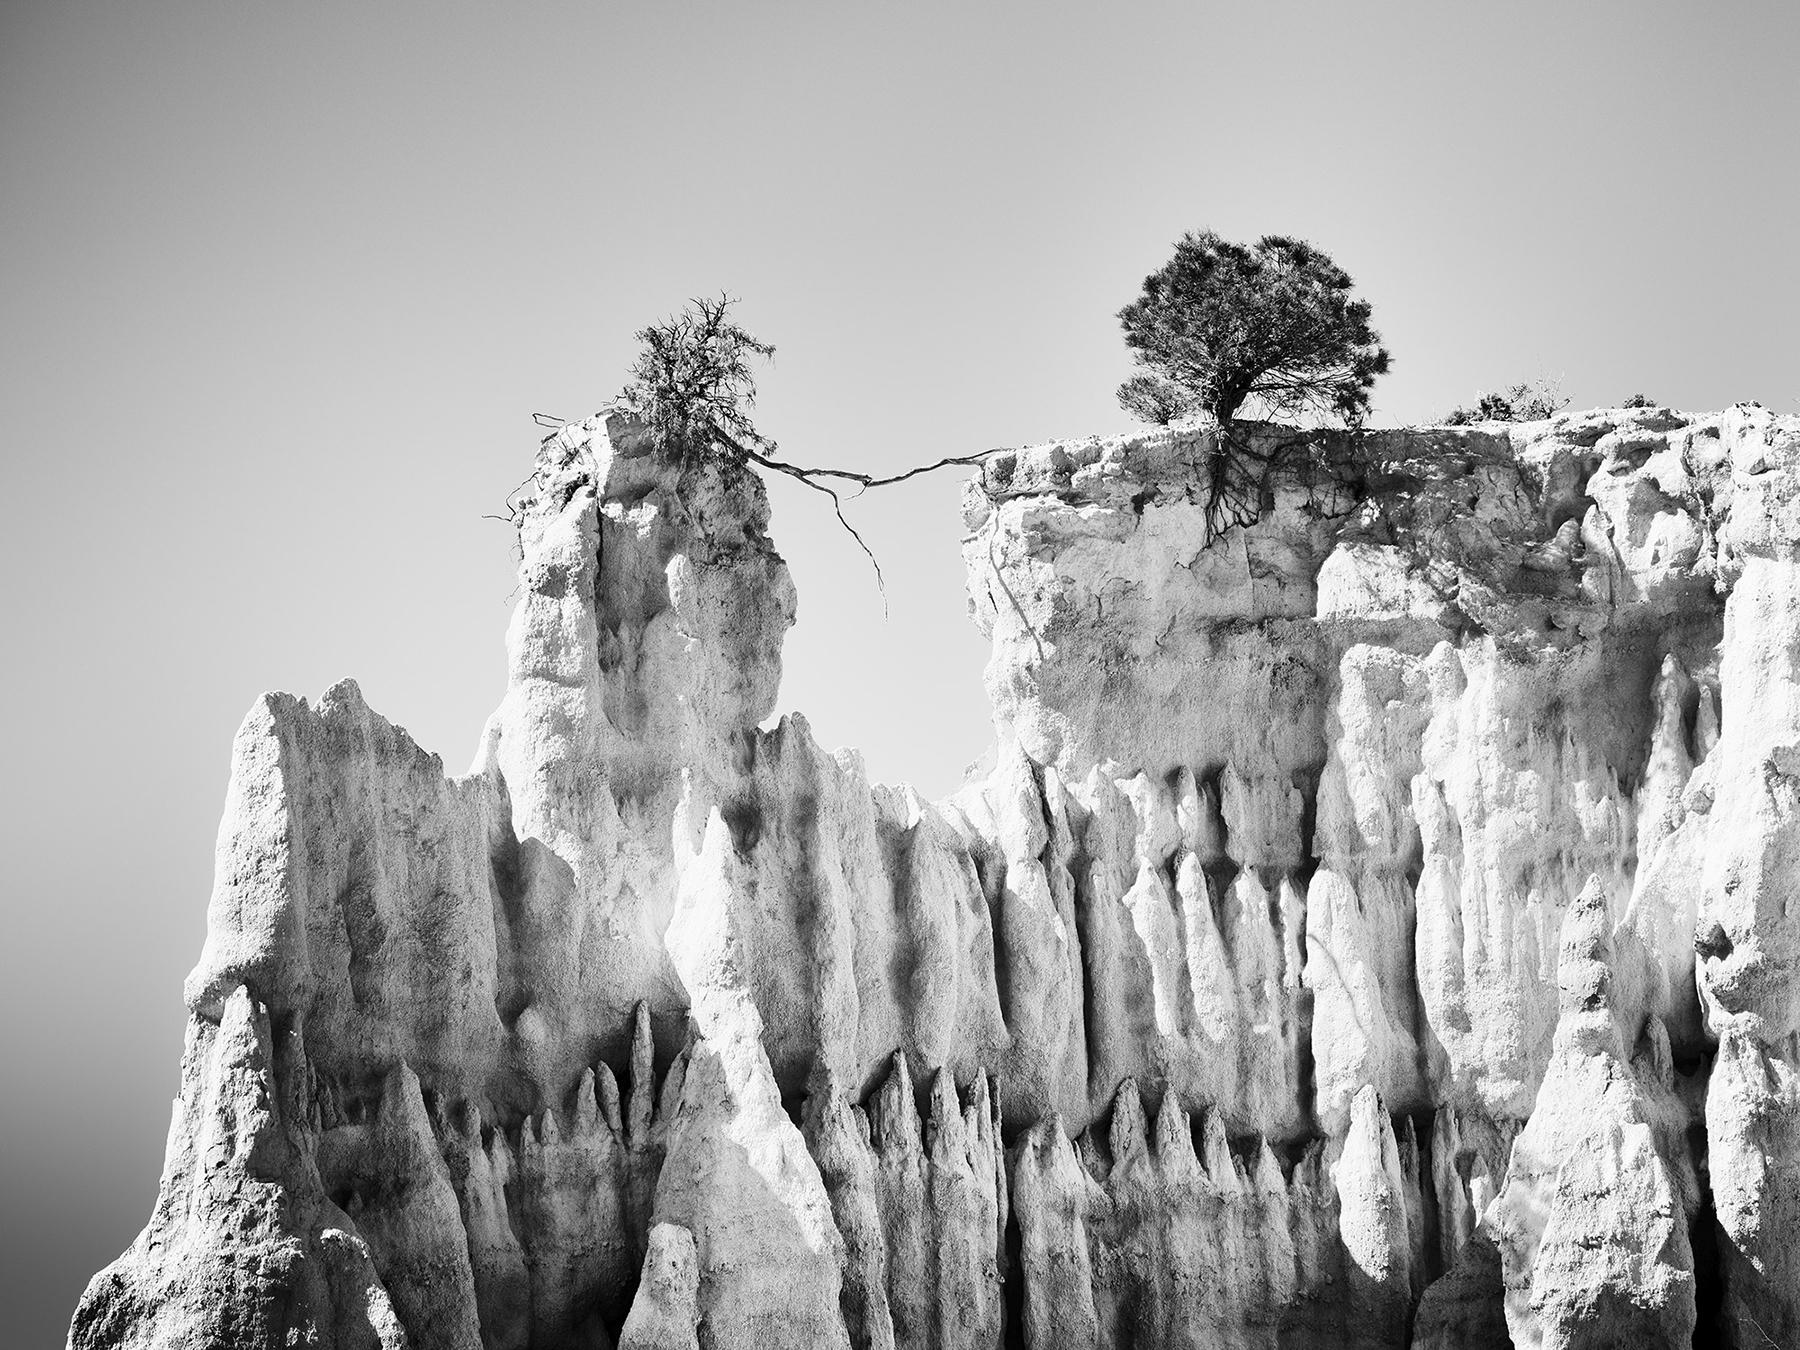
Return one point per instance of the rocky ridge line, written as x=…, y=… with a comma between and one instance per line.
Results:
x=1371, y=931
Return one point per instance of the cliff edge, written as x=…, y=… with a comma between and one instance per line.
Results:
x=1372, y=930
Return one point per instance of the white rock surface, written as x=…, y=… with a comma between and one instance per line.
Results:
x=1749, y=941
x=1592, y=1221
x=1227, y=1010
x=244, y=1248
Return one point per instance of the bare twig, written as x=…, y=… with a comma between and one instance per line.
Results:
x=866, y=481
x=512, y=508
x=863, y=481
x=1760, y=1331
x=808, y=476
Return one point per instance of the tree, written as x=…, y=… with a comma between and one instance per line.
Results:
x=1271, y=326
x=691, y=385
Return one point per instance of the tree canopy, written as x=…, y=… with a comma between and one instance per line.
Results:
x=1271, y=326
x=691, y=384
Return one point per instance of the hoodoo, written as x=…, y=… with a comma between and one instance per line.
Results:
x=1374, y=929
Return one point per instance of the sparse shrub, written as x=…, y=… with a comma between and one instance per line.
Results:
x=692, y=385
x=1531, y=402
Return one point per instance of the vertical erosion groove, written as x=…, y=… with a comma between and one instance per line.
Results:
x=1508, y=671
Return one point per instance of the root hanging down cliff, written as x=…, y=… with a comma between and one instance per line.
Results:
x=1374, y=931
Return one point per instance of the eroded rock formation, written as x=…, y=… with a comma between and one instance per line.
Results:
x=1373, y=929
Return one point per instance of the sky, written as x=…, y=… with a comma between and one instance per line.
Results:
x=282, y=286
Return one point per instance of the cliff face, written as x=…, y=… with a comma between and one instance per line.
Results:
x=1373, y=930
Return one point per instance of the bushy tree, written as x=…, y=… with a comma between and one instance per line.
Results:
x=692, y=385
x=1271, y=327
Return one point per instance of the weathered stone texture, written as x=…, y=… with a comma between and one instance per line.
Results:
x=1374, y=929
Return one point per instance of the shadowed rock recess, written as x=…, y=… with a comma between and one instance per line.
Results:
x=1371, y=930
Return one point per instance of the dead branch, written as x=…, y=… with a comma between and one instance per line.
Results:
x=512, y=506
x=810, y=477
x=866, y=481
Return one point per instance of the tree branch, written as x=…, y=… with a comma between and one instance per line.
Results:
x=863, y=482
x=807, y=476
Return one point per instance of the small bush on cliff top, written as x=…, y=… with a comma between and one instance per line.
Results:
x=1521, y=403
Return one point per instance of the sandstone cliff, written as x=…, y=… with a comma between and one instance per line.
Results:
x=1373, y=930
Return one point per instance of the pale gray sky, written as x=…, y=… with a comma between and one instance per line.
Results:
x=281, y=286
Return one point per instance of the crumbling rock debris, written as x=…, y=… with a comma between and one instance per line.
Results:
x=1374, y=930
